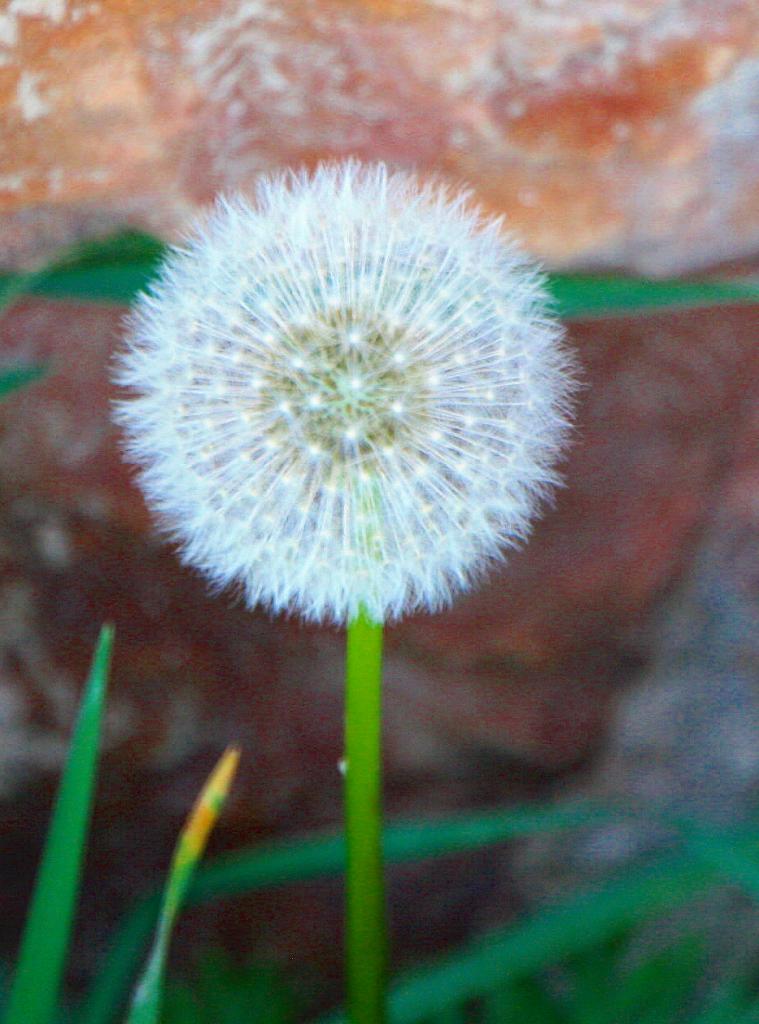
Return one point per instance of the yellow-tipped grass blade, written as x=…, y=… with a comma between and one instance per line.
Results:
x=146, y=1002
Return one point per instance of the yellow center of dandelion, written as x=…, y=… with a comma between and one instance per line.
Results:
x=353, y=396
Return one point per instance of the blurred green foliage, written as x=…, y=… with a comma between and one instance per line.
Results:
x=220, y=992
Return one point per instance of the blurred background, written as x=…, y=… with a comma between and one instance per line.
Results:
x=615, y=657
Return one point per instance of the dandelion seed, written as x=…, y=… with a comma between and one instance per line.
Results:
x=345, y=394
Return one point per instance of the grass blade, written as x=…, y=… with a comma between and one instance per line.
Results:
x=656, y=990
x=116, y=268
x=192, y=841
x=111, y=269
x=734, y=855
x=18, y=377
x=282, y=862
x=526, y=1001
x=731, y=1002
x=224, y=991
x=34, y=993
x=586, y=295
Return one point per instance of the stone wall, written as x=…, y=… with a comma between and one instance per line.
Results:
x=611, y=132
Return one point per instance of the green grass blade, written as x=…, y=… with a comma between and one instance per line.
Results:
x=110, y=284
x=735, y=856
x=18, y=377
x=116, y=268
x=731, y=1001
x=146, y=1004
x=657, y=990
x=592, y=977
x=525, y=1001
x=112, y=983
x=34, y=993
x=223, y=991
x=586, y=295
x=282, y=862
x=13, y=286
x=111, y=269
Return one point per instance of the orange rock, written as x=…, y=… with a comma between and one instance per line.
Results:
x=618, y=133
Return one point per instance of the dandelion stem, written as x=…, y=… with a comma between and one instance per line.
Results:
x=366, y=928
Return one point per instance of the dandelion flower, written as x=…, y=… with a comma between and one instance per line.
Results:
x=345, y=394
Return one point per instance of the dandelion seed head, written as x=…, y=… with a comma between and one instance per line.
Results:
x=345, y=393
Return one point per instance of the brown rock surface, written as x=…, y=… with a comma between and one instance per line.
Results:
x=681, y=744
x=623, y=133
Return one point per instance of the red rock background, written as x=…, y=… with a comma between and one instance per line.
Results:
x=616, y=132
x=620, y=134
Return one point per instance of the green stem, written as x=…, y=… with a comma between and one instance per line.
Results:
x=366, y=928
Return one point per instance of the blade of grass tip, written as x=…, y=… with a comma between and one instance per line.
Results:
x=12, y=286
x=110, y=269
x=37, y=980
x=18, y=377
x=146, y=1003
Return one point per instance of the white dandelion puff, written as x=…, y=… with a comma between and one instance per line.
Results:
x=346, y=394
